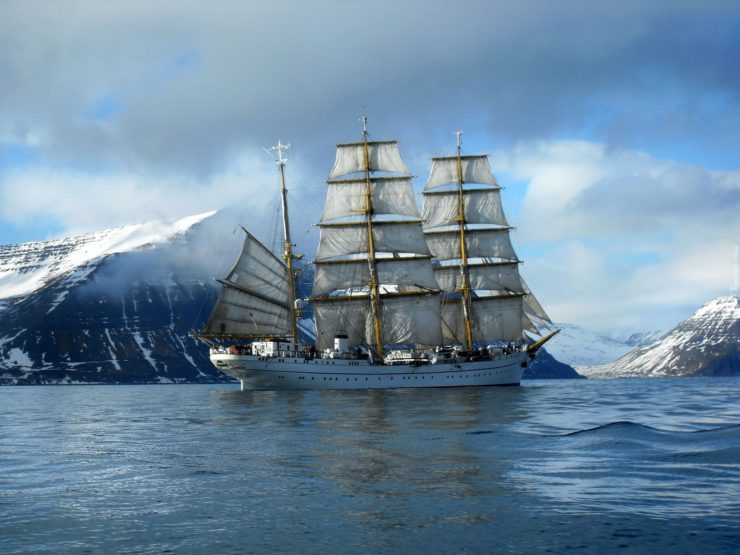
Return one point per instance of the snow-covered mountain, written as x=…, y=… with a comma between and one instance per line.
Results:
x=111, y=306
x=706, y=344
x=578, y=346
x=28, y=267
x=643, y=338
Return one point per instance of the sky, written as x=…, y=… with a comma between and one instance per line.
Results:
x=613, y=126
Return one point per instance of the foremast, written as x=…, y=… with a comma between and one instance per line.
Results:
x=287, y=244
x=257, y=298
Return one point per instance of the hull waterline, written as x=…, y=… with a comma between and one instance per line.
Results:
x=287, y=373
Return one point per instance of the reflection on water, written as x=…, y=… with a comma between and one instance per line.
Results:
x=583, y=465
x=389, y=447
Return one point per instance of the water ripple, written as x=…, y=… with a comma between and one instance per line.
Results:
x=637, y=465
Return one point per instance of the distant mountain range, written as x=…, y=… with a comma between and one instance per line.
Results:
x=706, y=344
x=117, y=306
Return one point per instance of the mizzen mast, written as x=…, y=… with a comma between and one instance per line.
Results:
x=287, y=245
x=474, y=261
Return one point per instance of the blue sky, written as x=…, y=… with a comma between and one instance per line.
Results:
x=613, y=126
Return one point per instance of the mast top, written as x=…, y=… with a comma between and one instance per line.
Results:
x=458, y=133
x=279, y=148
x=363, y=119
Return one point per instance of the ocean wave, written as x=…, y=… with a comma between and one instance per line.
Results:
x=626, y=425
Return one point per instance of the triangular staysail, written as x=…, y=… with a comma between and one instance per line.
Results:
x=255, y=298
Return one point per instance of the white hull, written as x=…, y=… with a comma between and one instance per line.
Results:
x=276, y=373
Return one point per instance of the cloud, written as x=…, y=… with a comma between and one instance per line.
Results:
x=621, y=238
x=115, y=112
x=80, y=202
x=183, y=85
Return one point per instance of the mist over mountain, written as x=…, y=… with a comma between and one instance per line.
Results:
x=110, y=307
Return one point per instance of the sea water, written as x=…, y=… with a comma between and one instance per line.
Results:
x=586, y=466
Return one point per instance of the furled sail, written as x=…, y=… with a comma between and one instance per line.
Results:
x=371, y=229
x=468, y=236
x=255, y=298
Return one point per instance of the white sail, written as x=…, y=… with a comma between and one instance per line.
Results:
x=339, y=240
x=494, y=286
x=534, y=314
x=493, y=319
x=383, y=156
x=475, y=169
x=390, y=195
x=405, y=319
x=402, y=284
x=239, y=314
x=485, y=243
x=497, y=318
x=480, y=206
x=500, y=278
x=405, y=274
x=255, y=299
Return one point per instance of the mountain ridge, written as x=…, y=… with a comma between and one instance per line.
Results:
x=705, y=344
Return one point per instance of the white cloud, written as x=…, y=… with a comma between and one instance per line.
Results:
x=182, y=84
x=621, y=239
x=79, y=202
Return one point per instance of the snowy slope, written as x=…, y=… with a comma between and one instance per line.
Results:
x=707, y=343
x=577, y=346
x=114, y=306
x=643, y=338
x=28, y=267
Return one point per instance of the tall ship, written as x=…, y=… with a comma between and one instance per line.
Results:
x=399, y=299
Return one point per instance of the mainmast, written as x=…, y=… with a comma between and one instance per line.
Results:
x=463, y=249
x=374, y=281
x=374, y=287
x=288, y=245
